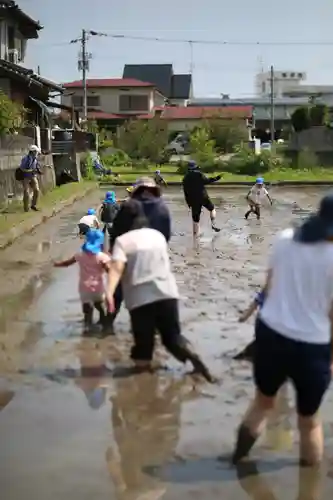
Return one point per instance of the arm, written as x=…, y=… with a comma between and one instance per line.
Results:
x=165, y=222
x=65, y=263
x=269, y=198
x=115, y=272
x=210, y=180
x=248, y=312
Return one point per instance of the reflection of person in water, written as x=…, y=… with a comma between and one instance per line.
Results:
x=145, y=419
x=257, y=488
x=92, y=372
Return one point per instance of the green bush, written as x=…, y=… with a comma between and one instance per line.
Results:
x=202, y=146
x=118, y=159
x=246, y=162
x=88, y=171
x=300, y=118
x=182, y=167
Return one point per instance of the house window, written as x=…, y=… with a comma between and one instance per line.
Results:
x=292, y=75
x=11, y=37
x=77, y=101
x=93, y=101
x=130, y=102
x=284, y=75
x=263, y=87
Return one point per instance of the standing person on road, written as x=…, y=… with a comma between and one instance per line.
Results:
x=294, y=332
x=140, y=261
x=255, y=196
x=196, y=196
x=148, y=194
x=28, y=172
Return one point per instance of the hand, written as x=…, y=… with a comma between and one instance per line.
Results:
x=242, y=318
x=218, y=177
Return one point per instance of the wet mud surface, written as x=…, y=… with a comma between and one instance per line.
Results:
x=74, y=423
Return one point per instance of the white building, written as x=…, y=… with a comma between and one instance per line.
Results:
x=290, y=84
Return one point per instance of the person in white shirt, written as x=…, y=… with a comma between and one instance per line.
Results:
x=88, y=221
x=255, y=197
x=140, y=260
x=294, y=332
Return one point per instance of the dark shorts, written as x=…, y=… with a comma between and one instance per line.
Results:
x=196, y=208
x=159, y=317
x=308, y=366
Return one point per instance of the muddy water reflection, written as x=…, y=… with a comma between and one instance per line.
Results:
x=76, y=430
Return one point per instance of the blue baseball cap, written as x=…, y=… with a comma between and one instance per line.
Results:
x=319, y=226
x=91, y=211
x=260, y=180
x=110, y=197
x=192, y=165
x=94, y=240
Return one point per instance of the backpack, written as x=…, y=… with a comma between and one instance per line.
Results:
x=19, y=174
x=109, y=212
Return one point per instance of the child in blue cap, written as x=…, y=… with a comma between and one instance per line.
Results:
x=255, y=196
x=88, y=221
x=248, y=352
x=93, y=263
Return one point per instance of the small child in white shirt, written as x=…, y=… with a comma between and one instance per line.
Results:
x=255, y=196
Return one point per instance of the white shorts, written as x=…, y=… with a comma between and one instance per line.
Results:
x=91, y=297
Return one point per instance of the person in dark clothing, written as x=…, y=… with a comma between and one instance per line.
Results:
x=148, y=193
x=196, y=196
x=108, y=212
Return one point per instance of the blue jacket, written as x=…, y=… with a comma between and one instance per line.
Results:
x=29, y=165
x=155, y=211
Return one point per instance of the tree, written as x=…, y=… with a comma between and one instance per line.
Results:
x=203, y=147
x=319, y=115
x=143, y=138
x=12, y=115
x=300, y=119
x=227, y=133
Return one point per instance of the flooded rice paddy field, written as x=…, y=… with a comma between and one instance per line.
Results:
x=74, y=424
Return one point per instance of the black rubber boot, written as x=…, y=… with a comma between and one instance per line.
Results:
x=88, y=313
x=244, y=444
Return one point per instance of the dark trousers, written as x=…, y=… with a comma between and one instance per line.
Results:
x=161, y=317
x=254, y=209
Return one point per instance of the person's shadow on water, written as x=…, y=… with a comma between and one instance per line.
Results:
x=145, y=419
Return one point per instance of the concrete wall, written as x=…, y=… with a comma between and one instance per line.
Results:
x=109, y=98
x=318, y=140
x=9, y=161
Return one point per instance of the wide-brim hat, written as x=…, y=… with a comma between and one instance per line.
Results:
x=146, y=183
x=94, y=240
x=319, y=226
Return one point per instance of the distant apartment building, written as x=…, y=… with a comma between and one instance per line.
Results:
x=290, y=83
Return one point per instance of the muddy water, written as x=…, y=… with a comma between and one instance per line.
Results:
x=75, y=424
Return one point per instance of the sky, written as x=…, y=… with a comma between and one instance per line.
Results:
x=227, y=68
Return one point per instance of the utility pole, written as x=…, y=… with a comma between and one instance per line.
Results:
x=272, y=105
x=83, y=63
x=85, y=68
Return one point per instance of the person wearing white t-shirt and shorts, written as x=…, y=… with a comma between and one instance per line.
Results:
x=255, y=197
x=140, y=260
x=294, y=332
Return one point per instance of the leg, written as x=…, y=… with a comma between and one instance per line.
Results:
x=88, y=315
x=209, y=205
x=100, y=307
x=311, y=376
x=250, y=211
x=168, y=325
x=118, y=300
x=257, y=211
x=35, y=192
x=247, y=353
x=269, y=366
x=196, y=213
x=143, y=330
x=26, y=194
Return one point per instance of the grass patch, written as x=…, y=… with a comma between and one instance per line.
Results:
x=13, y=214
x=169, y=172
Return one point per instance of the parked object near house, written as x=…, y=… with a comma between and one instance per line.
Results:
x=179, y=146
